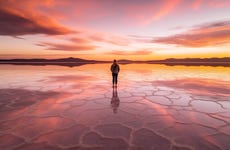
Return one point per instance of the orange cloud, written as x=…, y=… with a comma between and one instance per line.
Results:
x=212, y=34
x=80, y=40
x=86, y=40
x=141, y=52
x=67, y=46
x=22, y=18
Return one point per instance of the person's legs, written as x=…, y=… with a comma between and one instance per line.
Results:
x=116, y=78
x=113, y=74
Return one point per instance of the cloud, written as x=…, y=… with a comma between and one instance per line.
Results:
x=20, y=19
x=168, y=6
x=67, y=46
x=196, y=4
x=79, y=40
x=72, y=44
x=219, y=3
x=85, y=42
x=140, y=38
x=111, y=39
x=146, y=12
x=136, y=12
x=211, y=34
x=140, y=52
x=41, y=17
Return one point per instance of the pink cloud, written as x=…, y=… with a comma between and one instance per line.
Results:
x=219, y=3
x=136, y=12
x=23, y=18
x=42, y=17
x=211, y=34
x=167, y=7
x=86, y=42
x=80, y=40
x=110, y=39
x=67, y=46
x=210, y=3
x=196, y=4
x=146, y=12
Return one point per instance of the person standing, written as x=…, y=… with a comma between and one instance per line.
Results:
x=115, y=70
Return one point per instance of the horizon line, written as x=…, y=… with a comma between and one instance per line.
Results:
x=116, y=59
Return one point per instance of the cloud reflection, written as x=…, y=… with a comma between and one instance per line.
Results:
x=199, y=86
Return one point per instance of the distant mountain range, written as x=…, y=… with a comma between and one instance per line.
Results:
x=195, y=61
x=70, y=59
x=186, y=61
x=71, y=62
x=77, y=61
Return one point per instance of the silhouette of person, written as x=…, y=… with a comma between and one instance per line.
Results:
x=115, y=70
x=115, y=101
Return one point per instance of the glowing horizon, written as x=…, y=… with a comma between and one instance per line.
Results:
x=108, y=29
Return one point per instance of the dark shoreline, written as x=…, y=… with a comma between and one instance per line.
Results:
x=67, y=64
x=73, y=64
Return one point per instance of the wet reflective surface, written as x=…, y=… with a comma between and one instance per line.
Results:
x=153, y=107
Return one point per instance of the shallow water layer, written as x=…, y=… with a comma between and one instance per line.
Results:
x=153, y=107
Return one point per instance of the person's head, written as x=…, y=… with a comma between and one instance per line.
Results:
x=114, y=61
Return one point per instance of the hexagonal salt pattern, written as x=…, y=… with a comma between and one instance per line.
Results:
x=153, y=107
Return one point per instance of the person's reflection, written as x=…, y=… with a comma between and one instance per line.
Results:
x=115, y=101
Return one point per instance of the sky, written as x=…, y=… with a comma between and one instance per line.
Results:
x=114, y=29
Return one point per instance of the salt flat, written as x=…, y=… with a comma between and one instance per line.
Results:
x=153, y=107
